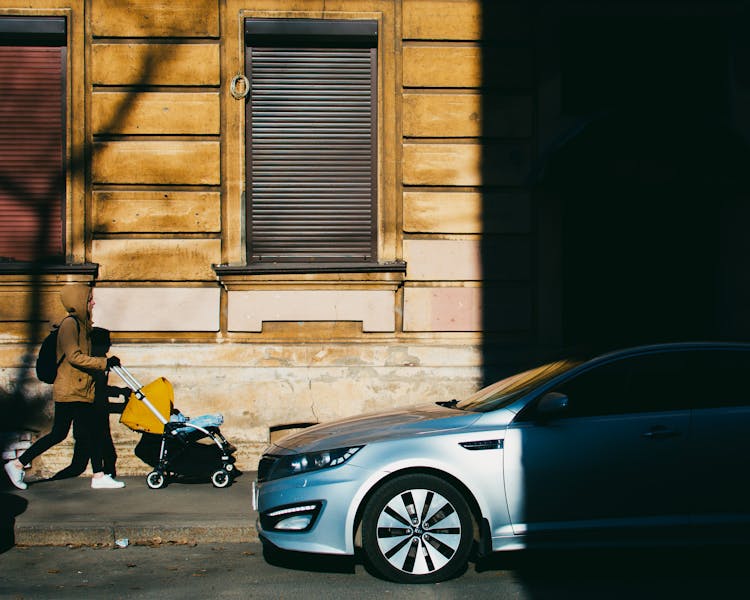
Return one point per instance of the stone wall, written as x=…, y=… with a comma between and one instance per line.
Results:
x=267, y=390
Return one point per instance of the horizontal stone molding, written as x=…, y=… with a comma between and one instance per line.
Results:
x=175, y=162
x=157, y=309
x=443, y=309
x=153, y=259
x=499, y=259
x=465, y=20
x=446, y=66
x=466, y=164
x=249, y=309
x=155, y=18
x=466, y=309
x=130, y=211
x=446, y=115
x=442, y=19
x=155, y=113
x=155, y=64
x=466, y=212
x=18, y=302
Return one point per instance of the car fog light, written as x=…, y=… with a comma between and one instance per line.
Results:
x=295, y=523
x=292, y=517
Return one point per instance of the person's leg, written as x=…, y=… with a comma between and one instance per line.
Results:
x=94, y=432
x=81, y=454
x=109, y=454
x=64, y=412
x=92, y=435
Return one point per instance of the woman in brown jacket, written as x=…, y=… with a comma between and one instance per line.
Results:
x=73, y=390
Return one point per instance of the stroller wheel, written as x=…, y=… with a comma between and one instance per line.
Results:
x=220, y=478
x=156, y=480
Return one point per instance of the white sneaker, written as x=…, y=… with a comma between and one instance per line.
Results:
x=105, y=482
x=15, y=475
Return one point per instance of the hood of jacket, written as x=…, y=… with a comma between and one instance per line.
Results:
x=75, y=299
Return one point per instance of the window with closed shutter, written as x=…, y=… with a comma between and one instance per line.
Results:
x=32, y=138
x=311, y=140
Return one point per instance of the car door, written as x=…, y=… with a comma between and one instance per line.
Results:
x=612, y=462
x=720, y=443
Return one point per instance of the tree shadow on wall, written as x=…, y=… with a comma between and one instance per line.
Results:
x=22, y=405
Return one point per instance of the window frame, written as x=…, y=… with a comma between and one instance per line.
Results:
x=74, y=260
x=234, y=270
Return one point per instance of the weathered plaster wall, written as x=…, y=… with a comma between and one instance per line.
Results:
x=258, y=387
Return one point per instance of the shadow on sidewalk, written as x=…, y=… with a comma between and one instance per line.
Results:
x=313, y=563
x=10, y=507
x=657, y=572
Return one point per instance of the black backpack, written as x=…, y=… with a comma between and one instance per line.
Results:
x=46, y=362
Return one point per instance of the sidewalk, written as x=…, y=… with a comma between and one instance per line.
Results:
x=70, y=512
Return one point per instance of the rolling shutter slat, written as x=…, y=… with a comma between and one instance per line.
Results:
x=311, y=154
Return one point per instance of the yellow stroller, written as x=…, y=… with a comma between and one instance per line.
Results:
x=172, y=444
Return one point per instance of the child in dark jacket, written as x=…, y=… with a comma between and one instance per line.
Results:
x=100, y=344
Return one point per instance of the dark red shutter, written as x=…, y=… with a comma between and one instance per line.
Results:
x=32, y=160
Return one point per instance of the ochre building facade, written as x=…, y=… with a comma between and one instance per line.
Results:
x=271, y=273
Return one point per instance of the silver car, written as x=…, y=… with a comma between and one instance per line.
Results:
x=646, y=445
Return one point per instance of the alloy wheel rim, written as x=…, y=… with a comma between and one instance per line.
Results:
x=418, y=531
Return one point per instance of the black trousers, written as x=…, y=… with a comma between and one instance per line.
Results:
x=82, y=451
x=65, y=414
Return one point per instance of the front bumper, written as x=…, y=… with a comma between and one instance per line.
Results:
x=326, y=498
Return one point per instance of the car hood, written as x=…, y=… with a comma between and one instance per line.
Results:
x=408, y=422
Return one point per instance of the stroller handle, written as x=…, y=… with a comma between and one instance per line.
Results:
x=134, y=385
x=127, y=377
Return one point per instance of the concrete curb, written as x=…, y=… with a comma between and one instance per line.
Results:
x=101, y=535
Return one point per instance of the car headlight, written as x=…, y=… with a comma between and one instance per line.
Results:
x=296, y=464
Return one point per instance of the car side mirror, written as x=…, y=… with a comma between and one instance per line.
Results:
x=552, y=405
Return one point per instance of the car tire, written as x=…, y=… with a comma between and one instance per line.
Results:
x=417, y=528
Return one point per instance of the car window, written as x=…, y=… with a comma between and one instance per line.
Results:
x=723, y=378
x=502, y=393
x=660, y=382
x=648, y=383
x=598, y=391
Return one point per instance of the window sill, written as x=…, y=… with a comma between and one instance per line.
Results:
x=269, y=268
x=29, y=268
x=330, y=275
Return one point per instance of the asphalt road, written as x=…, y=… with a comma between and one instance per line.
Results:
x=168, y=571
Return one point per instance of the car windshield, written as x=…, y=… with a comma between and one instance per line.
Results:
x=506, y=391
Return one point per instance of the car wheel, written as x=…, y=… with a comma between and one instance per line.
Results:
x=417, y=529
